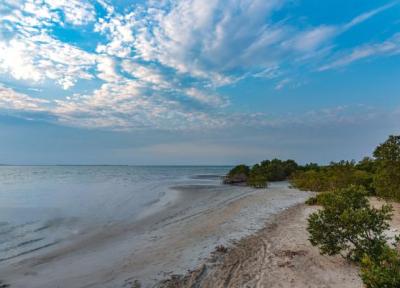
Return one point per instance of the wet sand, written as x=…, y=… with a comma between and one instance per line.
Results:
x=178, y=238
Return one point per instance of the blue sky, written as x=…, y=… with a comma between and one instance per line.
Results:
x=196, y=82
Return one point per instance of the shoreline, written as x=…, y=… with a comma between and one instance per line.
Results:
x=278, y=255
x=169, y=242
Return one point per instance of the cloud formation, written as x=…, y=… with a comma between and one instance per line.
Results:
x=162, y=64
x=10, y=99
x=388, y=47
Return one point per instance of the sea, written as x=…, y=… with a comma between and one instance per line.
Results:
x=42, y=206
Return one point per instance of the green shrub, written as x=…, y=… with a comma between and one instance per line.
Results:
x=239, y=169
x=257, y=181
x=257, y=177
x=334, y=176
x=387, y=175
x=310, y=180
x=317, y=200
x=383, y=272
x=238, y=174
x=312, y=201
x=347, y=225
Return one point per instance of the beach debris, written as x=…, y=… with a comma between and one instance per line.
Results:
x=221, y=249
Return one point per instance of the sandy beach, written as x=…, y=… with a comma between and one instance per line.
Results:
x=264, y=231
x=279, y=255
x=174, y=240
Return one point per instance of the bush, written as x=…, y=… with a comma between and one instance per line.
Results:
x=334, y=176
x=238, y=174
x=348, y=226
x=310, y=180
x=317, y=200
x=387, y=176
x=383, y=272
x=277, y=170
x=257, y=177
x=312, y=201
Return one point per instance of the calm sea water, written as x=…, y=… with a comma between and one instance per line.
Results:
x=40, y=206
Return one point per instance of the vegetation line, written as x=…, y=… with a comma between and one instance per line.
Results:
x=346, y=225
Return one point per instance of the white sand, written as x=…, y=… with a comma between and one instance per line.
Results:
x=278, y=256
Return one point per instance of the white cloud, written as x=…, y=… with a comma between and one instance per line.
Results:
x=389, y=47
x=160, y=54
x=119, y=30
x=206, y=40
x=146, y=74
x=206, y=98
x=75, y=12
x=367, y=15
x=41, y=57
x=218, y=41
x=126, y=105
x=29, y=53
x=313, y=39
x=10, y=99
x=281, y=84
x=30, y=13
x=107, y=71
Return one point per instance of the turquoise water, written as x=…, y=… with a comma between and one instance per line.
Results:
x=41, y=206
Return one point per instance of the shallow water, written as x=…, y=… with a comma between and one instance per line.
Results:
x=40, y=206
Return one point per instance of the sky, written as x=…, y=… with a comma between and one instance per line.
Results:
x=196, y=82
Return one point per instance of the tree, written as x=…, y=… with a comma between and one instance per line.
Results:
x=347, y=225
x=387, y=176
x=367, y=164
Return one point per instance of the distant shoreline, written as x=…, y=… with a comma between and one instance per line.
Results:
x=106, y=165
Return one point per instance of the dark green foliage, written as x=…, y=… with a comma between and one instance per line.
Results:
x=309, y=166
x=277, y=170
x=271, y=170
x=380, y=176
x=239, y=169
x=334, y=176
x=259, y=175
x=312, y=201
x=367, y=164
x=387, y=175
x=238, y=174
x=383, y=272
x=348, y=226
x=309, y=180
x=316, y=200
